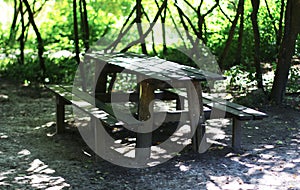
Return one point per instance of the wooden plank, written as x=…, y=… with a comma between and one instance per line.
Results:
x=174, y=116
x=85, y=106
x=155, y=67
x=132, y=97
x=231, y=111
x=123, y=117
x=205, y=74
x=256, y=114
x=224, y=102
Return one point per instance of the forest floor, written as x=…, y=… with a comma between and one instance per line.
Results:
x=32, y=158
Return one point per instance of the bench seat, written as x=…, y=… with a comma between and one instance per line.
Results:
x=216, y=108
x=66, y=95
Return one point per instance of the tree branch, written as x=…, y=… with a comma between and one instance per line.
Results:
x=163, y=6
x=122, y=34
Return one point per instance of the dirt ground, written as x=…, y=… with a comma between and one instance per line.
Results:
x=32, y=158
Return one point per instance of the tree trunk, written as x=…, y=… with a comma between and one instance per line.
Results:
x=163, y=26
x=38, y=36
x=22, y=35
x=280, y=32
x=12, y=34
x=162, y=7
x=255, y=5
x=198, y=29
x=238, y=56
x=77, y=50
x=287, y=49
x=122, y=33
x=231, y=34
x=139, y=25
x=76, y=38
x=84, y=24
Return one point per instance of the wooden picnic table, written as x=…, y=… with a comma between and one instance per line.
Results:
x=153, y=73
x=155, y=79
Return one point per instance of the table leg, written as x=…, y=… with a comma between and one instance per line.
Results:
x=180, y=103
x=194, y=92
x=100, y=79
x=60, y=114
x=144, y=140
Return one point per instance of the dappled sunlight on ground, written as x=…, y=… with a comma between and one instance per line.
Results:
x=267, y=166
x=22, y=170
x=31, y=157
x=39, y=176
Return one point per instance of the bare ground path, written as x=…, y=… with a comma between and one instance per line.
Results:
x=31, y=158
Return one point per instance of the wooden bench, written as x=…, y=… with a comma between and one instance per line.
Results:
x=66, y=95
x=215, y=108
x=238, y=113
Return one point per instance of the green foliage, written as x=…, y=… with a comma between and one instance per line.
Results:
x=55, y=23
x=59, y=70
x=297, y=48
x=103, y=17
x=178, y=56
x=240, y=79
x=218, y=27
x=124, y=82
x=294, y=80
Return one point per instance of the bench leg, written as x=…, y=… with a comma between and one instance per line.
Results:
x=237, y=134
x=100, y=139
x=180, y=103
x=60, y=115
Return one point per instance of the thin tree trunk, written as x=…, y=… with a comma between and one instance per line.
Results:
x=278, y=32
x=176, y=28
x=12, y=34
x=81, y=21
x=163, y=26
x=139, y=25
x=21, y=39
x=84, y=24
x=255, y=5
x=186, y=28
x=122, y=33
x=162, y=7
x=163, y=21
x=287, y=49
x=38, y=36
x=238, y=57
x=280, y=28
x=271, y=17
x=77, y=50
x=198, y=29
x=76, y=38
x=231, y=34
x=152, y=33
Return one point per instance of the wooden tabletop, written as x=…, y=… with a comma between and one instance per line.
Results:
x=154, y=67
